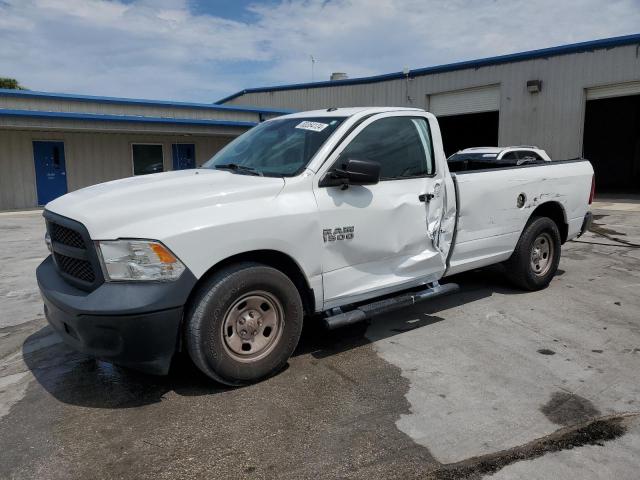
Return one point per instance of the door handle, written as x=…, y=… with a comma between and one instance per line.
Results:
x=425, y=197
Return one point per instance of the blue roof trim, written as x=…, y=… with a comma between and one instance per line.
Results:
x=123, y=118
x=137, y=101
x=450, y=67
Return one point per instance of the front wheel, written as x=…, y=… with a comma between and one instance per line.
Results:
x=244, y=323
x=535, y=259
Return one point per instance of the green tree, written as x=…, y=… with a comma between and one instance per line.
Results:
x=11, y=84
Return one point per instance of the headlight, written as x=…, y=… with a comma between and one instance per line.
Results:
x=138, y=260
x=47, y=240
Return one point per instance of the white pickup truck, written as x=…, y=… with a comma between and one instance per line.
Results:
x=331, y=215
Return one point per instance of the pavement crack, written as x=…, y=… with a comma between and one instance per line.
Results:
x=592, y=432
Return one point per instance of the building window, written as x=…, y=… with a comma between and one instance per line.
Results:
x=147, y=158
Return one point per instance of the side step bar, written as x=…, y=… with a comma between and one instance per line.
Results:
x=341, y=319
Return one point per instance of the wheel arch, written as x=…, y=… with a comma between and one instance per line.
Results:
x=275, y=259
x=555, y=211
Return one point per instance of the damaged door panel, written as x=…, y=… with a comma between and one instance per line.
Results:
x=396, y=223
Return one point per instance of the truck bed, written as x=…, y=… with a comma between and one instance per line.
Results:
x=490, y=219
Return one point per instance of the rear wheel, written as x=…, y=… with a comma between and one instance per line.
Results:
x=535, y=259
x=244, y=323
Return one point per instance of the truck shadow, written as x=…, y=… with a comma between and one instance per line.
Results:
x=75, y=379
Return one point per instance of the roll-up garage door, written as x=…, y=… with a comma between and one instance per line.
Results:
x=472, y=100
x=612, y=136
x=610, y=91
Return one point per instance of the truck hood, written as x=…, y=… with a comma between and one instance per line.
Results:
x=108, y=208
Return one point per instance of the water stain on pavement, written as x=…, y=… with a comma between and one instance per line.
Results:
x=601, y=228
x=568, y=409
x=332, y=414
x=594, y=432
x=609, y=233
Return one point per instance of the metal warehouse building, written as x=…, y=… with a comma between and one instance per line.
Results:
x=574, y=100
x=53, y=143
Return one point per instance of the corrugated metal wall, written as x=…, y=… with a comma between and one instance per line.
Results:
x=90, y=157
x=552, y=119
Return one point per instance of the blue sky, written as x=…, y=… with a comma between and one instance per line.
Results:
x=233, y=10
x=198, y=50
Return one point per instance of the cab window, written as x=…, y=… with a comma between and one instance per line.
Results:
x=402, y=146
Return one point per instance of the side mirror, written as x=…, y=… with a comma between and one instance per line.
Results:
x=353, y=172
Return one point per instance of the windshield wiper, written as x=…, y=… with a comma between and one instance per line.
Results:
x=239, y=168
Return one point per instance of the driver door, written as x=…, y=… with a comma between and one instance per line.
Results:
x=384, y=237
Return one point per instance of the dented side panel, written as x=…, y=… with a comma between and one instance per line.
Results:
x=495, y=206
x=387, y=243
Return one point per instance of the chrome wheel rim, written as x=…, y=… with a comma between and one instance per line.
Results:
x=253, y=326
x=542, y=254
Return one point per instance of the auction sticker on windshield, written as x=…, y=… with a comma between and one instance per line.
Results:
x=313, y=126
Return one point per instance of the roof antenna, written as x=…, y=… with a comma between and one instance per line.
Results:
x=406, y=72
x=313, y=62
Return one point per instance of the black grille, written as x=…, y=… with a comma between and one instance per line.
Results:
x=66, y=236
x=73, y=252
x=75, y=267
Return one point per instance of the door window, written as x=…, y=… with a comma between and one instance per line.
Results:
x=147, y=159
x=402, y=146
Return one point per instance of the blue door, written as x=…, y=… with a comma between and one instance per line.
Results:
x=51, y=175
x=184, y=156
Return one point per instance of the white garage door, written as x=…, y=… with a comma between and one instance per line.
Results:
x=609, y=91
x=471, y=100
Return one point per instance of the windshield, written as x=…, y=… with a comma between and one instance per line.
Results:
x=277, y=147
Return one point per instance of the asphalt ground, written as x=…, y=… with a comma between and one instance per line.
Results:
x=489, y=382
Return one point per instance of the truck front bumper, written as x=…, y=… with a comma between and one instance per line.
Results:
x=134, y=324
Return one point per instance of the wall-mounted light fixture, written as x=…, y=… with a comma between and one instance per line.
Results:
x=534, y=86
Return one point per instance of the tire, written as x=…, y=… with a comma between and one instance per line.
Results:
x=533, y=270
x=244, y=323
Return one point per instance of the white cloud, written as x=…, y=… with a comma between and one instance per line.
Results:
x=163, y=50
